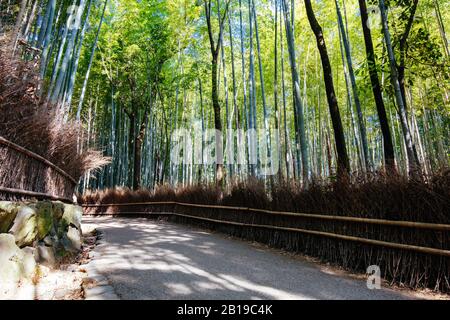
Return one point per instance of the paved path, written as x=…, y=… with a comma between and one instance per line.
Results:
x=146, y=259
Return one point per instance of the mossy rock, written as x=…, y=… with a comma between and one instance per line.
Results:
x=24, y=227
x=10, y=260
x=58, y=210
x=8, y=212
x=44, y=212
x=15, y=264
x=71, y=217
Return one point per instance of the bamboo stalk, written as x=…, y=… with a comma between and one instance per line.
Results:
x=396, y=223
x=34, y=194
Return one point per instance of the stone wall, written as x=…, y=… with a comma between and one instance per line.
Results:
x=36, y=232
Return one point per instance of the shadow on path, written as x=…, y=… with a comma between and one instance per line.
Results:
x=146, y=259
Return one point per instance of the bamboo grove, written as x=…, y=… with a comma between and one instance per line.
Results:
x=335, y=87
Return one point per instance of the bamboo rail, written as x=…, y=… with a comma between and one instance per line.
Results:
x=34, y=194
x=395, y=223
x=35, y=156
x=394, y=245
x=41, y=159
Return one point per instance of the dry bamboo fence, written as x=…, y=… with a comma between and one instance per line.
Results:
x=26, y=175
x=415, y=254
x=409, y=224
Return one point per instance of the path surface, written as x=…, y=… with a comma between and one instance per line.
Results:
x=146, y=259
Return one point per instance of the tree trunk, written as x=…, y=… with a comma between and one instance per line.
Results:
x=403, y=48
x=215, y=48
x=361, y=125
x=389, y=154
x=413, y=159
x=275, y=94
x=343, y=161
x=263, y=93
x=287, y=151
x=217, y=122
x=18, y=25
x=138, y=153
x=437, y=10
x=298, y=105
x=86, y=78
x=44, y=43
x=244, y=81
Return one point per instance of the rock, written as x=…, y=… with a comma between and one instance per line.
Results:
x=28, y=262
x=49, y=241
x=10, y=256
x=24, y=228
x=15, y=264
x=74, y=240
x=45, y=255
x=71, y=217
x=58, y=210
x=44, y=211
x=53, y=228
x=8, y=212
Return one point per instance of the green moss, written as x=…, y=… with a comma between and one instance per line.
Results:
x=8, y=212
x=72, y=216
x=25, y=226
x=58, y=210
x=44, y=212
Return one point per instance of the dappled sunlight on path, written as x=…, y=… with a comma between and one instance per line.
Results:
x=145, y=259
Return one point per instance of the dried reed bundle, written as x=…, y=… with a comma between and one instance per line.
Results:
x=34, y=124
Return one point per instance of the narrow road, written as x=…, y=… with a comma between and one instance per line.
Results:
x=146, y=259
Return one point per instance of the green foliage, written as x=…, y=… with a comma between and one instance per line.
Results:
x=158, y=51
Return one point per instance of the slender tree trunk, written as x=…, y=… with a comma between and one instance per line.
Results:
x=388, y=146
x=441, y=27
x=413, y=159
x=62, y=44
x=298, y=106
x=44, y=44
x=261, y=77
x=63, y=71
x=138, y=152
x=403, y=48
x=361, y=162
x=31, y=18
x=91, y=59
x=275, y=93
x=244, y=80
x=343, y=161
x=361, y=125
x=230, y=153
x=235, y=103
x=68, y=100
x=18, y=25
x=253, y=149
x=215, y=48
x=283, y=87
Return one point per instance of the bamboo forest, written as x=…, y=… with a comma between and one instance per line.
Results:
x=327, y=86
x=309, y=117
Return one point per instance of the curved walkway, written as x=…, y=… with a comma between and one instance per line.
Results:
x=147, y=259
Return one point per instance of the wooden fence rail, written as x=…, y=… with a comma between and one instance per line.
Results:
x=396, y=223
x=31, y=193
x=394, y=245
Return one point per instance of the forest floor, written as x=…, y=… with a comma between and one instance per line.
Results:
x=147, y=259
